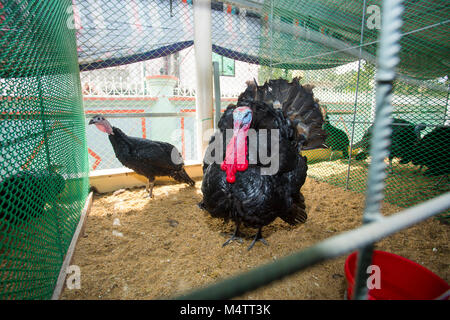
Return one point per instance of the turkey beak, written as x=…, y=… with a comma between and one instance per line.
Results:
x=92, y=121
x=245, y=121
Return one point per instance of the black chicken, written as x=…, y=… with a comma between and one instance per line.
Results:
x=239, y=188
x=24, y=195
x=433, y=151
x=405, y=135
x=146, y=157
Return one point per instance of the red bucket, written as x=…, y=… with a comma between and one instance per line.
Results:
x=400, y=278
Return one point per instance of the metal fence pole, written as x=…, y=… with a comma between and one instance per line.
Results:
x=447, y=108
x=203, y=58
x=356, y=93
x=217, y=98
x=387, y=61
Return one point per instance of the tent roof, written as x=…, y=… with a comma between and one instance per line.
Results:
x=302, y=34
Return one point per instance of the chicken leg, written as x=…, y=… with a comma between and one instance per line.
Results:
x=258, y=237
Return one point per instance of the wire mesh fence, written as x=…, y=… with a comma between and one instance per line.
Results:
x=43, y=167
x=306, y=39
x=140, y=73
x=137, y=68
x=160, y=84
x=329, y=45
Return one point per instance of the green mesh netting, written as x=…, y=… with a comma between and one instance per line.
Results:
x=329, y=45
x=322, y=34
x=43, y=157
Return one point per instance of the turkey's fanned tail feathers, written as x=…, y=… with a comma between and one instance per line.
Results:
x=298, y=104
x=301, y=108
x=297, y=213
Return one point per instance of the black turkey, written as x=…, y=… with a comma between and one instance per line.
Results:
x=433, y=151
x=243, y=187
x=336, y=139
x=405, y=135
x=146, y=157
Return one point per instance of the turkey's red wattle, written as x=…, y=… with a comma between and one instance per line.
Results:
x=236, y=154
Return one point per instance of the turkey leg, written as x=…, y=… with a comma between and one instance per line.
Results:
x=149, y=187
x=441, y=179
x=235, y=235
x=258, y=237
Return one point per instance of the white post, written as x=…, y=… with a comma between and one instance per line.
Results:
x=203, y=63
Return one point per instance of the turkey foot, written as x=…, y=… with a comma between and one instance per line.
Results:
x=258, y=237
x=234, y=236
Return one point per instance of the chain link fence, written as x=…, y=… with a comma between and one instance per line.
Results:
x=141, y=81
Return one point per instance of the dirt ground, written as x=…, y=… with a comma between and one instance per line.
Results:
x=136, y=248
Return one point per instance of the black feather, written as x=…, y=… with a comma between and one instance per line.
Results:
x=404, y=138
x=297, y=104
x=256, y=199
x=433, y=151
x=149, y=158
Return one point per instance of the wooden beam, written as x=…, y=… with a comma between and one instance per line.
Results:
x=69, y=255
